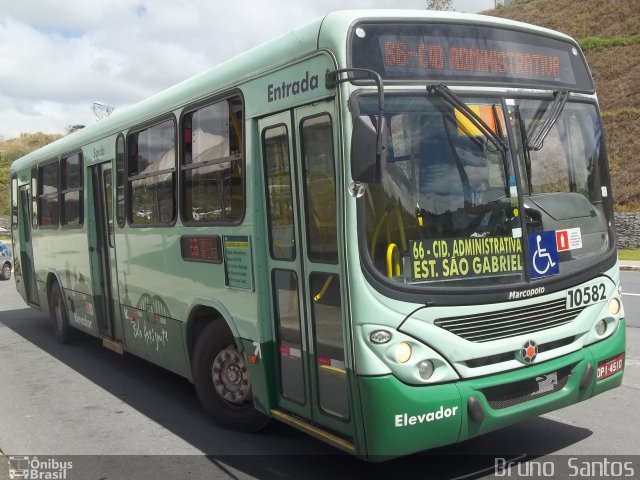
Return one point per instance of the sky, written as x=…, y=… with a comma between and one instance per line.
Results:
x=58, y=57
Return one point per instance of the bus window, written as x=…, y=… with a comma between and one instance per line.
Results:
x=120, y=177
x=14, y=203
x=285, y=283
x=34, y=197
x=441, y=183
x=71, y=191
x=213, y=180
x=48, y=210
x=320, y=188
x=568, y=158
x=326, y=310
x=152, y=174
x=276, y=147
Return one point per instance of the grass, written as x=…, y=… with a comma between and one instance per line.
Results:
x=629, y=254
x=591, y=43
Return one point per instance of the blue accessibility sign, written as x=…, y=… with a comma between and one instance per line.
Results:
x=543, y=254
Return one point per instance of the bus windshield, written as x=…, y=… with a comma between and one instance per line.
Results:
x=448, y=209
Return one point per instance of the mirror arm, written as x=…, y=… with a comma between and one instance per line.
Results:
x=333, y=78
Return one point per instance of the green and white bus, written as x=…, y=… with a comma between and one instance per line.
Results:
x=392, y=230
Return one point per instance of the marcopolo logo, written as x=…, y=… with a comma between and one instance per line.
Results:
x=532, y=292
x=404, y=419
x=38, y=469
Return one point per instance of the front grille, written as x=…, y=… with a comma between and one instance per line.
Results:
x=485, y=327
x=506, y=356
x=503, y=396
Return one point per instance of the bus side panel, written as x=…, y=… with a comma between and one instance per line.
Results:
x=152, y=288
x=63, y=252
x=155, y=337
x=401, y=419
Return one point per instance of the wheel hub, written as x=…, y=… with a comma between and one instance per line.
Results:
x=231, y=377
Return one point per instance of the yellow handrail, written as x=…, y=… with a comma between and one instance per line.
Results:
x=324, y=289
x=391, y=250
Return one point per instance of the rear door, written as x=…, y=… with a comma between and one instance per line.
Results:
x=103, y=253
x=28, y=286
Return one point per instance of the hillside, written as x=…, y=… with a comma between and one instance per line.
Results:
x=16, y=148
x=609, y=33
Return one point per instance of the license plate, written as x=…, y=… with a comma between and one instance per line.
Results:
x=606, y=368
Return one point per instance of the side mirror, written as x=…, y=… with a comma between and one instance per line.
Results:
x=367, y=148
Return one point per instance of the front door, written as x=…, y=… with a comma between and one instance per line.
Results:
x=103, y=253
x=299, y=160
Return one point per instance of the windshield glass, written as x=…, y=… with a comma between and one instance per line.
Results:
x=446, y=212
x=446, y=208
x=564, y=182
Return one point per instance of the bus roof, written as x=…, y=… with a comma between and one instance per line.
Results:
x=328, y=32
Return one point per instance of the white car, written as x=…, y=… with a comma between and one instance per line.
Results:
x=6, y=262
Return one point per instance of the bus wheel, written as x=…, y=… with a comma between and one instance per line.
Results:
x=5, y=274
x=221, y=379
x=59, y=314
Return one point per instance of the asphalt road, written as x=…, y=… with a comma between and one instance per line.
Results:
x=121, y=417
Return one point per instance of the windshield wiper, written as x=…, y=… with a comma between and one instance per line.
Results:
x=525, y=148
x=559, y=99
x=456, y=102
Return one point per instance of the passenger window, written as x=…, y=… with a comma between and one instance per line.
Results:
x=71, y=191
x=152, y=175
x=213, y=175
x=48, y=210
x=34, y=197
x=320, y=188
x=120, y=181
x=275, y=143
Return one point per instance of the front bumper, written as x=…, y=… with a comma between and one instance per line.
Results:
x=400, y=419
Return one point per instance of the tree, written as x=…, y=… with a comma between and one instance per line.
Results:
x=439, y=5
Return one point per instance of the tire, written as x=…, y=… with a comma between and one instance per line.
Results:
x=222, y=382
x=5, y=273
x=59, y=316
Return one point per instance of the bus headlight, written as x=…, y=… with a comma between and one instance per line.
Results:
x=614, y=306
x=425, y=369
x=380, y=336
x=403, y=352
x=601, y=327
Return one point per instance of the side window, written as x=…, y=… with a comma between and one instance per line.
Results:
x=275, y=144
x=120, y=178
x=34, y=197
x=71, y=191
x=152, y=175
x=212, y=163
x=14, y=203
x=48, y=207
x=319, y=188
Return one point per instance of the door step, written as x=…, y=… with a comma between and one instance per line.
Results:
x=305, y=426
x=113, y=345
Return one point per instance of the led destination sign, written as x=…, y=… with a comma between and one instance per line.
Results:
x=408, y=54
x=463, y=53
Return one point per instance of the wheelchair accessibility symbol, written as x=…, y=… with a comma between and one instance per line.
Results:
x=543, y=254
